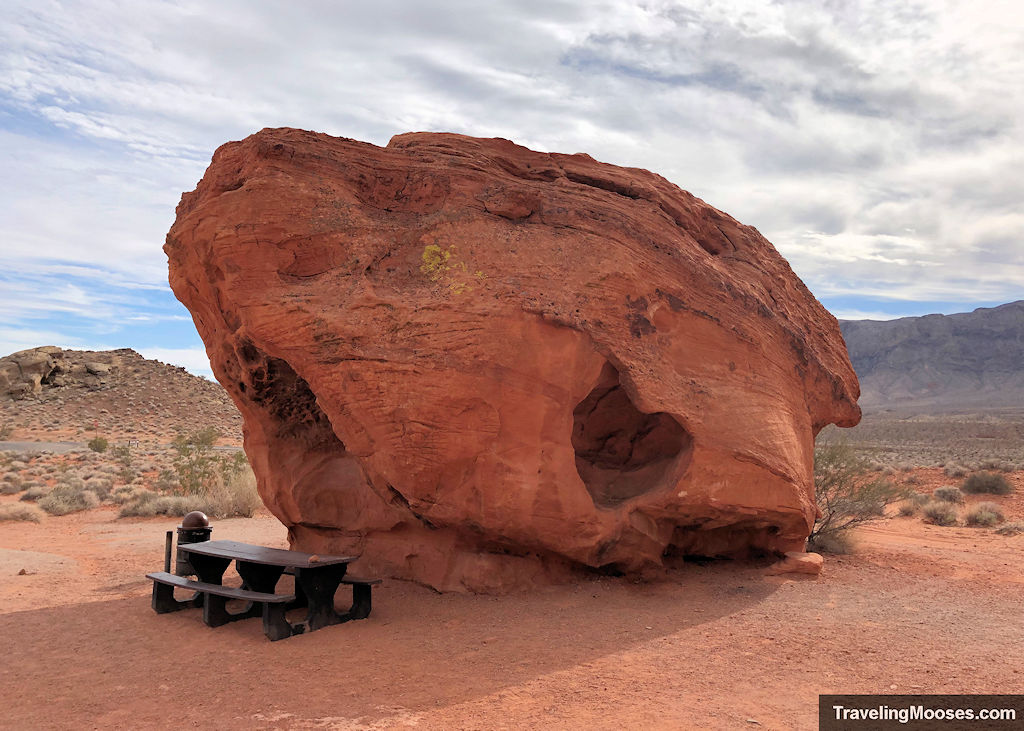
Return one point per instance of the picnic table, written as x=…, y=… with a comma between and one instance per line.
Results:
x=317, y=578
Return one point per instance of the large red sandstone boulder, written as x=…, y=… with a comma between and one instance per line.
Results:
x=480, y=366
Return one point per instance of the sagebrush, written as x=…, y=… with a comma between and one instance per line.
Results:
x=848, y=491
x=987, y=482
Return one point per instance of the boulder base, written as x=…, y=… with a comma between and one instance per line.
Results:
x=483, y=367
x=798, y=562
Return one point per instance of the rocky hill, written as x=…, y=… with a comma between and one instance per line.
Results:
x=941, y=363
x=53, y=394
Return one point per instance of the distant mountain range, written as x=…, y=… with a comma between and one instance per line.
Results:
x=940, y=363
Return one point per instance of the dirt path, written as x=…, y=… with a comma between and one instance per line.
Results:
x=918, y=609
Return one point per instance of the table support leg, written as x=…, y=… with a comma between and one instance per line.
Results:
x=319, y=586
x=360, y=601
x=275, y=626
x=164, y=601
x=257, y=577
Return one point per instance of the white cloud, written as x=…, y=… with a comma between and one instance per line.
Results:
x=877, y=144
x=194, y=360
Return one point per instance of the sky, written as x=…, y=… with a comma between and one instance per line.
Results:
x=877, y=143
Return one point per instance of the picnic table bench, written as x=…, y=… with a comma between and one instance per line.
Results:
x=317, y=579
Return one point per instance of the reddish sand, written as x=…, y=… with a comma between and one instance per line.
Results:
x=917, y=608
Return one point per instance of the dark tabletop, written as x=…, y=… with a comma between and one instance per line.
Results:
x=261, y=554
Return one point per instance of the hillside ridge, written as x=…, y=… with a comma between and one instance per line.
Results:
x=936, y=363
x=50, y=393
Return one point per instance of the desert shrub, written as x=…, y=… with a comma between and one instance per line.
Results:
x=1011, y=529
x=835, y=543
x=100, y=485
x=147, y=504
x=908, y=508
x=5, y=431
x=912, y=480
x=167, y=481
x=234, y=496
x=939, y=512
x=987, y=482
x=98, y=444
x=194, y=465
x=123, y=494
x=11, y=484
x=955, y=470
x=17, y=511
x=949, y=494
x=125, y=461
x=69, y=497
x=984, y=514
x=997, y=465
x=35, y=493
x=848, y=493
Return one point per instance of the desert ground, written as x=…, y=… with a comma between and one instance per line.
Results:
x=916, y=608
x=913, y=608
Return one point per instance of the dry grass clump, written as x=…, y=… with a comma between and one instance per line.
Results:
x=234, y=497
x=17, y=511
x=125, y=493
x=11, y=484
x=35, y=493
x=101, y=486
x=996, y=465
x=69, y=496
x=1011, y=529
x=908, y=508
x=955, y=470
x=840, y=543
x=230, y=498
x=985, y=514
x=146, y=504
x=913, y=504
x=949, y=494
x=939, y=512
x=987, y=482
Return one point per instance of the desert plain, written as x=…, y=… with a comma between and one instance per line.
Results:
x=912, y=608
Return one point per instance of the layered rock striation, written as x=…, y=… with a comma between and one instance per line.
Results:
x=481, y=366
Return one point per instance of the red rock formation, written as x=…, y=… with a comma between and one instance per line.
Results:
x=480, y=366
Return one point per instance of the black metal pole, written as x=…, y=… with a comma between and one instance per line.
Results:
x=167, y=551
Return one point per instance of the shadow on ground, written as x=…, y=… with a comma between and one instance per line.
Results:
x=118, y=664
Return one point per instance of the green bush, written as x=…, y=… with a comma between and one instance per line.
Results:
x=987, y=482
x=195, y=466
x=125, y=460
x=949, y=494
x=848, y=492
x=98, y=444
x=939, y=512
x=17, y=511
x=985, y=514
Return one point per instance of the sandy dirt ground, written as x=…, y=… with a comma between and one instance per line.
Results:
x=917, y=609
